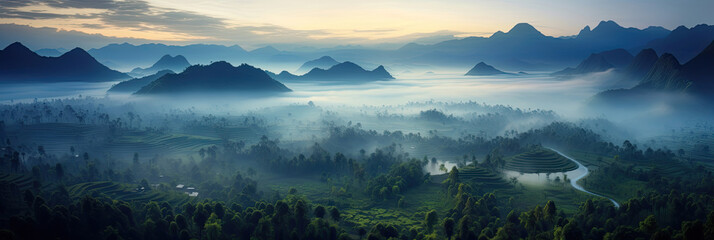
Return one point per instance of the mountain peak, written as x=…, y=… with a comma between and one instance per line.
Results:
x=607, y=25
x=382, y=72
x=642, y=63
x=219, y=76
x=166, y=57
x=347, y=65
x=168, y=60
x=668, y=59
x=326, y=58
x=77, y=53
x=524, y=29
x=17, y=47
x=483, y=69
x=324, y=62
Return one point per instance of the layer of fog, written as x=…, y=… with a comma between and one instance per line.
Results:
x=363, y=103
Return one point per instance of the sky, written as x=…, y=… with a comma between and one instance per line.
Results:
x=338, y=22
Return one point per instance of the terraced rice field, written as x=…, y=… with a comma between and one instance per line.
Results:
x=540, y=161
x=158, y=144
x=57, y=137
x=22, y=181
x=481, y=176
x=126, y=193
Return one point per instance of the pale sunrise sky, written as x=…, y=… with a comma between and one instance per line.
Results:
x=340, y=21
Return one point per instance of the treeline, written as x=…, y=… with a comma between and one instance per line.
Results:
x=655, y=216
x=400, y=178
x=93, y=218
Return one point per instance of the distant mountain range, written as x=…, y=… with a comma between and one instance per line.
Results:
x=483, y=69
x=129, y=56
x=133, y=85
x=684, y=43
x=20, y=64
x=216, y=77
x=599, y=62
x=324, y=62
x=521, y=48
x=668, y=75
x=346, y=71
x=50, y=52
x=167, y=62
x=610, y=35
x=524, y=47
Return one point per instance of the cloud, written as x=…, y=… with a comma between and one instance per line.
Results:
x=140, y=19
x=374, y=30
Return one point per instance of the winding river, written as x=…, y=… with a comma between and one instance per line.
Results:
x=574, y=180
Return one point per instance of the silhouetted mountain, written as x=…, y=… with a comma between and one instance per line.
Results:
x=346, y=71
x=525, y=48
x=642, y=64
x=18, y=63
x=668, y=75
x=483, y=69
x=135, y=84
x=324, y=62
x=664, y=75
x=519, y=31
x=700, y=70
x=610, y=35
x=521, y=48
x=599, y=62
x=127, y=55
x=49, y=52
x=217, y=77
x=684, y=43
x=167, y=62
x=266, y=51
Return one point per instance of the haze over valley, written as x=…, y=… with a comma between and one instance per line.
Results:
x=142, y=120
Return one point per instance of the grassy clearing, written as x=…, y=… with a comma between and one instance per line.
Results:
x=359, y=210
x=525, y=197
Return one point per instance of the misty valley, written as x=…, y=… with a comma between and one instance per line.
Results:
x=603, y=135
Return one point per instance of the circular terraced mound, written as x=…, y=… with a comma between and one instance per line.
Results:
x=540, y=161
x=481, y=176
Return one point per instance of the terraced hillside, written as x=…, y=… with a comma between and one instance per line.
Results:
x=540, y=161
x=481, y=176
x=126, y=193
x=22, y=182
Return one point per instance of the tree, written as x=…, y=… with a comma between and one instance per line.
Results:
x=41, y=150
x=649, y=225
x=335, y=214
x=59, y=171
x=449, y=227
x=549, y=210
x=320, y=211
x=136, y=159
x=430, y=219
x=15, y=161
x=361, y=232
